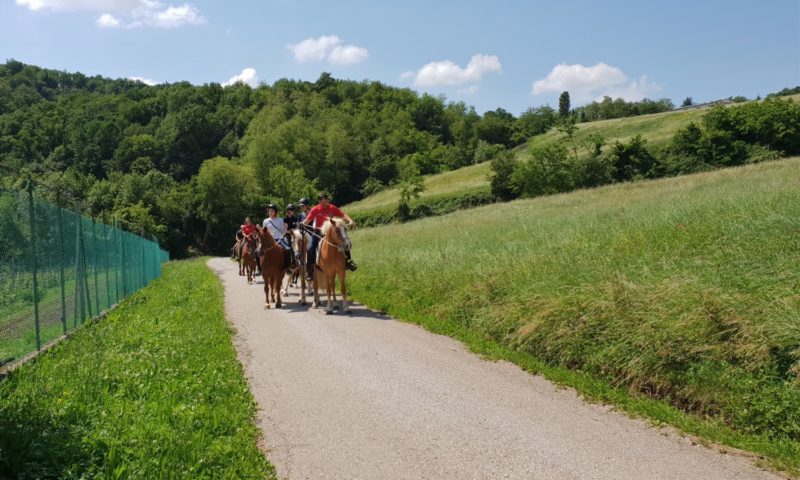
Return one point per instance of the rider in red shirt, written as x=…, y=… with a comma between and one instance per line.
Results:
x=248, y=230
x=319, y=215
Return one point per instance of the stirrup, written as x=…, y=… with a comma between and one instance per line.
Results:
x=351, y=265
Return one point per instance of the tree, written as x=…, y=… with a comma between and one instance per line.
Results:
x=500, y=179
x=563, y=104
x=687, y=102
x=410, y=186
x=225, y=192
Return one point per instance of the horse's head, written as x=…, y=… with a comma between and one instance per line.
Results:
x=335, y=229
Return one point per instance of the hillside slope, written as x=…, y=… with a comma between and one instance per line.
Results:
x=684, y=289
x=657, y=129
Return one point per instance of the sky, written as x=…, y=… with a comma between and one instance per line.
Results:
x=506, y=54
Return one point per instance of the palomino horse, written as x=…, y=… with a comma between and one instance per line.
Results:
x=248, y=259
x=300, y=245
x=331, y=263
x=272, y=267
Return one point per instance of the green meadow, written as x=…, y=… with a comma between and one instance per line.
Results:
x=676, y=299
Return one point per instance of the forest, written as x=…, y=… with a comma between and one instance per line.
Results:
x=185, y=163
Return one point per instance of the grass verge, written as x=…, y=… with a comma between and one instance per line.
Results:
x=152, y=391
x=675, y=299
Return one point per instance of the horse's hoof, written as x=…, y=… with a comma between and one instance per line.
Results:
x=266, y=306
x=328, y=312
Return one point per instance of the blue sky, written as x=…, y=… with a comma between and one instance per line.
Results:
x=488, y=54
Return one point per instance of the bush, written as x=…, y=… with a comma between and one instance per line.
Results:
x=500, y=179
x=631, y=160
x=547, y=171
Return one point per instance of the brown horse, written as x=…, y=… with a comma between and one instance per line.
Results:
x=248, y=259
x=300, y=245
x=331, y=263
x=273, y=267
x=237, y=253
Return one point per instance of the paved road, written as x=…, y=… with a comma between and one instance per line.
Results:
x=367, y=397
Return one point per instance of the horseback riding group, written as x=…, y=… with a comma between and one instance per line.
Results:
x=311, y=245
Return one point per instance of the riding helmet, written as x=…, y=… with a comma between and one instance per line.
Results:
x=291, y=207
x=272, y=206
x=304, y=201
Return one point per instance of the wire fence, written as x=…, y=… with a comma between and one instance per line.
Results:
x=59, y=268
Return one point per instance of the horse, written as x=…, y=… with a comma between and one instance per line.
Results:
x=331, y=263
x=237, y=254
x=300, y=245
x=248, y=259
x=273, y=267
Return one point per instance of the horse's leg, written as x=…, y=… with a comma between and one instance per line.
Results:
x=266, y=294
x=302, y=276
x=285, y=284
x=330, y=287
x=345, y=307
x=315, y=289
x=277, y=281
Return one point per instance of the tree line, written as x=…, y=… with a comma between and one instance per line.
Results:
x=726, y=136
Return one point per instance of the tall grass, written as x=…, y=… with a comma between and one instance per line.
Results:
x=152, y=391
x=685, y=290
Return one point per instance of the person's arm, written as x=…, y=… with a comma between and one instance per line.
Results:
x=339, y=213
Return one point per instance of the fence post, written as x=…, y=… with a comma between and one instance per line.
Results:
x=78, y=280
x=124, y=272
x=94, y=268
x=108, y=261
x=34, y=253
x=85, y=276
x=61, y=267
x=117, y=279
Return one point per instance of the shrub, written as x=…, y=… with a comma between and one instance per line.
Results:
x=547, y=171
x=500, y=179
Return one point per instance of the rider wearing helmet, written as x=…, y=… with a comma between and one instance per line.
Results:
x=277, y=229
x=304, y=203
x=318, y=216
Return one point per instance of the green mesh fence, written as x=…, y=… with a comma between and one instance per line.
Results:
x=59, y=268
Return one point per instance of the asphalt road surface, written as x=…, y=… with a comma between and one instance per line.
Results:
x=363, y=396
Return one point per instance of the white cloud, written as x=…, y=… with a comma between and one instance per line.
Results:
x=248, y=76
x=471, y=90
x=146, y=81
x=446, y=72
x=171, y=17
x=134, y=13
x=587, y=83
x=107, y=20
x=633, y=91
x=348, y=55
x=327, y=47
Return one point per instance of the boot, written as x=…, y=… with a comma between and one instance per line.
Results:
x=350, y=264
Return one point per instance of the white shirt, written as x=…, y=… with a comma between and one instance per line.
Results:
x=275, y=227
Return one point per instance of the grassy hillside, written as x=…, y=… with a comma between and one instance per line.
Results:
x=686, y=290
x=658, y=129
x=152, y=391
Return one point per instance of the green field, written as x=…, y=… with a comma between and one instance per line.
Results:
x=658, y=129
x=154, y=390
x=678, y=299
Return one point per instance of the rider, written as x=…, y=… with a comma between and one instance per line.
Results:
x=238, y=237
x=318, y=215
x=248, y=230
x=277, y=228
x=304, y=203
x=291, y=221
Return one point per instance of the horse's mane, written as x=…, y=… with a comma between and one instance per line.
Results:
x=330, y=226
